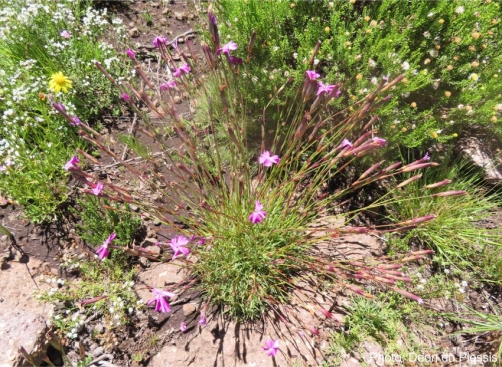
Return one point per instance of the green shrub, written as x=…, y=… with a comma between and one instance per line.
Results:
x=34, y=141
x=449, y=50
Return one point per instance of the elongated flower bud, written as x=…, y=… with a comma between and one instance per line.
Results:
x=355, y=230
x=414, y=167
x=410, y=180
x=389, y=266
x=437, y=184
x=451, y=193
x=408, y=295
x=326, y=313
x=368, y=171
x=392, y=166
x=355, y=289
x=417, y=220
x=250, y=45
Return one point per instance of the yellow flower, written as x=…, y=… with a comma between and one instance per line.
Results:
x=326, y=29
x=455, y=135
x=493, y=119
x=359, y=76
x=434, y=135
x=476, y=35
x=292, y=5
x=366, y=18
x=449, y=67
x=59, y=82
x=441, y=21
x=447, y=94
x=413, y=104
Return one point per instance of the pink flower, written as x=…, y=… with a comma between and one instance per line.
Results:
x=183, y=326
x=272, y=346
x=65, y=34
x=379, y=141
x=168, y=85
x=235, y=60
x=97, y=189
x=426, y=157
x=184, y=69
x=231, y=46
x=346, y=143
x=161, y=304
x=267, y=160
x=178, y=246
x=330, y=90
x=312, y=75
x=131, y=53
x=259, y=214
x=72, y=163
x=159, y=41
x=75, y=121
x=203, y=320
x=125, y=97
x=103, y=250
x=110, y=238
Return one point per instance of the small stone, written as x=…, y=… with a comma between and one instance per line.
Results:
x=98, y=351
x=154, y=5
x=188, y=309
x=149, y=242
x=177, y=99
x=181, y=40
x=134, y=32
x=191, y=16
x=179, y=15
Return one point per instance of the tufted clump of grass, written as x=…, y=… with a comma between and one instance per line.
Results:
x=244, y=195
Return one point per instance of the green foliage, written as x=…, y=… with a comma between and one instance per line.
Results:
x=457, y=234
x=105, y=285
x=34, y=141
x=99, y=219
x=483, y=323
x=442, y=46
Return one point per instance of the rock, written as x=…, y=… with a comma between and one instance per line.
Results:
x=351, y=362
x=149, y=242
x=480, y=149
x=374, y=354
x=98, y=351
x=134, y=32
x=189, y=308
x=22, y=329
x=179, y=15
x=177, y=99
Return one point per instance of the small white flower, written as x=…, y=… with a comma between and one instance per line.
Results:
x=316, y=61
x=427, y=34
x=433, y=53
x=405, y=65
x=275, y=48
x=431, y=14
x=371, y=63
x=459, y=10
x=447, y=271
x=374, y=80
x=460, y=106
x=295, y=55
x=464, y=283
